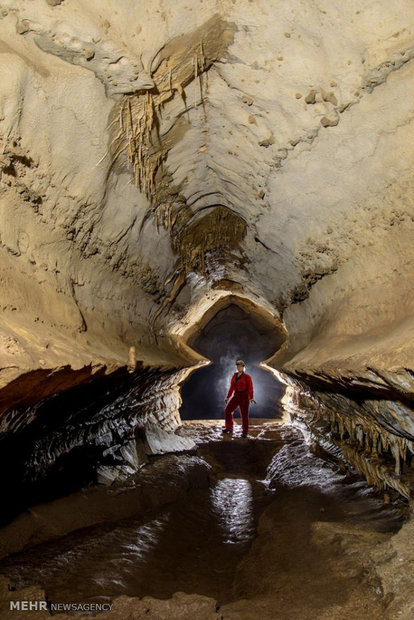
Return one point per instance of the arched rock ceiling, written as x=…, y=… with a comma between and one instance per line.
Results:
x=156, y=151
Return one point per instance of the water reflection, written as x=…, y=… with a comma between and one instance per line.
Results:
x=295, y=466
x=232, y=502
x=197, y=543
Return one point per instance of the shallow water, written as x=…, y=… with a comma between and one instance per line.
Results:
x=197, y=546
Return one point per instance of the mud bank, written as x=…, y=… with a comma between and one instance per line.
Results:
x=246, y=528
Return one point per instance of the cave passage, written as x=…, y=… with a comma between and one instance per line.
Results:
x=208, y=541
x=231, y=334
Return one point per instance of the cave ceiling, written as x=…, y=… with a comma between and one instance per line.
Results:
x=158, y=156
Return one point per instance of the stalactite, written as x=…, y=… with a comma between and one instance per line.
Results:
x=182, y=60
x=368, y=447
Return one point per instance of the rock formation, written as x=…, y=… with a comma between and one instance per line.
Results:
x=162, y=160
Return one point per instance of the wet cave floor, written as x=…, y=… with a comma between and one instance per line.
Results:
x=278, y=532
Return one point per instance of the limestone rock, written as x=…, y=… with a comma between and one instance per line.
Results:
x=159, y=159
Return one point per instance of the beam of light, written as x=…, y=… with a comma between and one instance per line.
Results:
x=279, y=375
x=288, y=399
x=226, y=364
x=233, y=333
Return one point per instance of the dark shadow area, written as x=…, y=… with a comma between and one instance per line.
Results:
x=231, y=334
x=53, y=448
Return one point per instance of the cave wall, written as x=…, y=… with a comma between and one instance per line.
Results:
x=157, y=156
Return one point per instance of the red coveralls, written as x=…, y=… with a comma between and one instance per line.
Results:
x=242, y=390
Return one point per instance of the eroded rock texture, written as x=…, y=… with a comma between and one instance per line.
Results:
x=160, y=156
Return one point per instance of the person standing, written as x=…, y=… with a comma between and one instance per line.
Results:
x=240, y=395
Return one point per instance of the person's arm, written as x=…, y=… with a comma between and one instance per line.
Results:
x=231, y=389
x=250, y=387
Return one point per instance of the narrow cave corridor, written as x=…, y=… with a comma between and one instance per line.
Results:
x=233, y=333
x=182, y=185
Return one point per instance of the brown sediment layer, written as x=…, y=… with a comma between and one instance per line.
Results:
x=33, y=386
x=313, y=547
x=102, y=504
x=179, y=62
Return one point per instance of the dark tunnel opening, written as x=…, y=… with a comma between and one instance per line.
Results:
x=233, y=333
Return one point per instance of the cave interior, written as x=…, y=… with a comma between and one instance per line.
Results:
x=182, y=185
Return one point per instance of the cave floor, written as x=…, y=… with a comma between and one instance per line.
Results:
x=276, y=532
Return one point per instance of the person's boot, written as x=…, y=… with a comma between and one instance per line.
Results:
x=226, y=431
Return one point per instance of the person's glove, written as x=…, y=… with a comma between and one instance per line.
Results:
x=226, y=400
